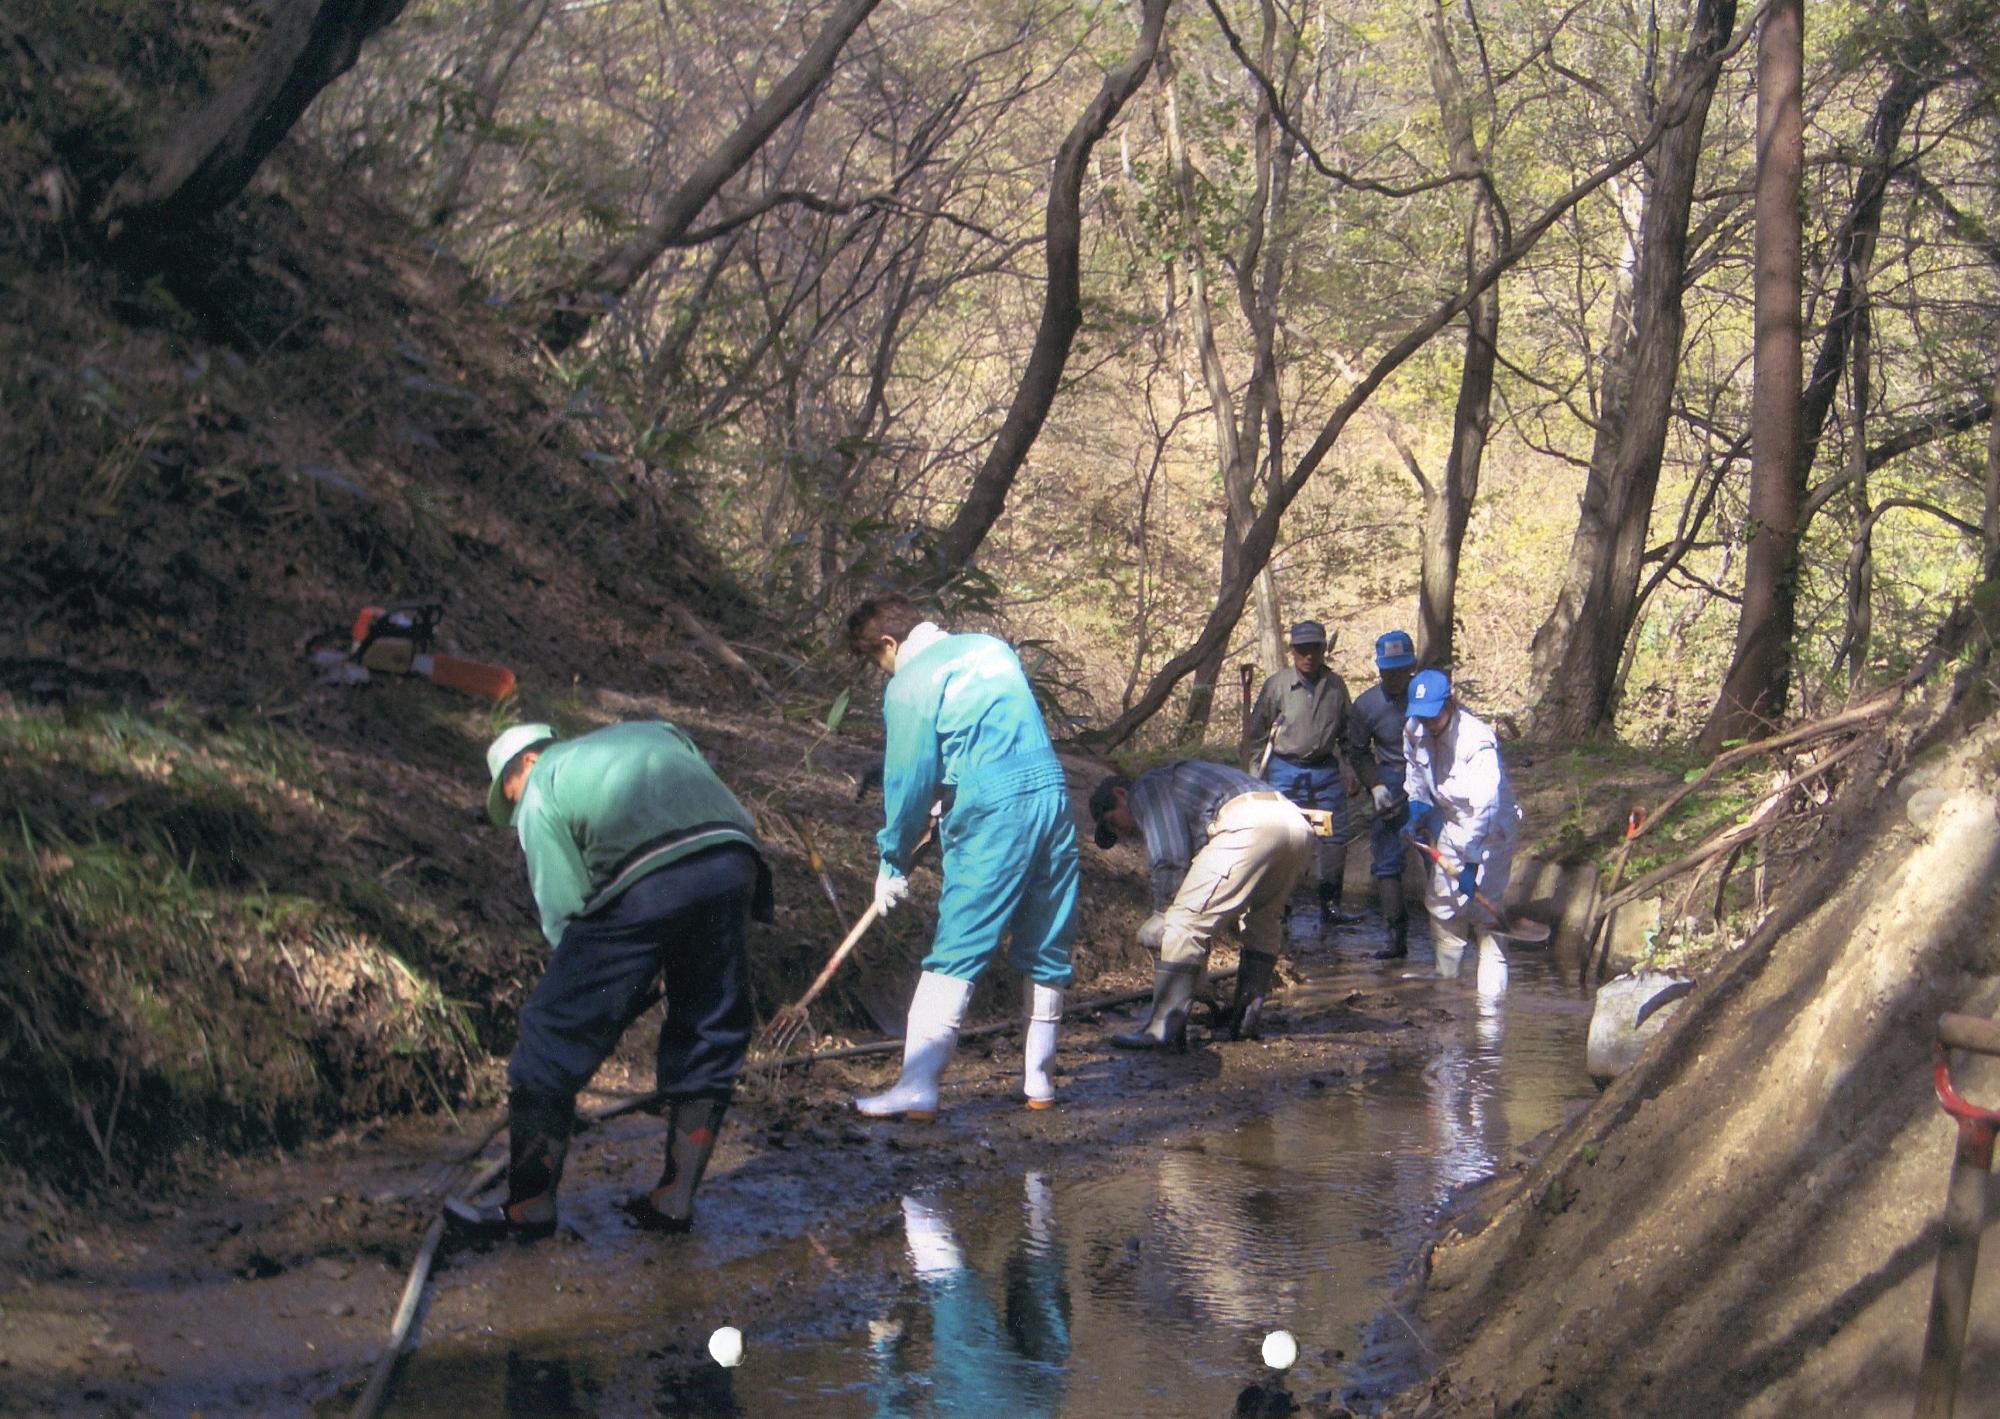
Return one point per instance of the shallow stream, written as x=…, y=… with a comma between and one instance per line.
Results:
x=1146, y=1290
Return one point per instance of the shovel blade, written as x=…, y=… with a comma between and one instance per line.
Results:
x=1528, y=933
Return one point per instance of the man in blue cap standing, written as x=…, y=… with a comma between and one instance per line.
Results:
x=1375, y=737
x=1301, y=718
x=1462, y=804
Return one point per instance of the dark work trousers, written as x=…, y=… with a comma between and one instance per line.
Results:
x=689, y=923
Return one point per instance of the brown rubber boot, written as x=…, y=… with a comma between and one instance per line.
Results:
x=1254, y=974
x=538, y=1131
x=692, y=1126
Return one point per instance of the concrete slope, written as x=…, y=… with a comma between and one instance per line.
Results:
x=1745, y=1224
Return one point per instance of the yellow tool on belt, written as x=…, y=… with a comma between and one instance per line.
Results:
x=1320, y=820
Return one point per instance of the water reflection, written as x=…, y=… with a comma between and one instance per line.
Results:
x=980, y=1361
x=1148, y=1290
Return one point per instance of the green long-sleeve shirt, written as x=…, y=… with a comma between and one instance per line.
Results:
x=1309, y=717
x=602, y=811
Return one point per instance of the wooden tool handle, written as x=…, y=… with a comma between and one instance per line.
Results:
x=854, y=935
x=1969, y=1032
x=840, y=953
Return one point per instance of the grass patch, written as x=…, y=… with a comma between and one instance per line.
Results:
x=178, y=972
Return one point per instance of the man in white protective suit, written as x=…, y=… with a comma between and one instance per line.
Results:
x=1462, y=805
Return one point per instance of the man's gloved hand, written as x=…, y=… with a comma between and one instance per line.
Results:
x=1468, y=880
x=1153, y=932
x=891, y=887
x=1383, y=798
x=1421, y=825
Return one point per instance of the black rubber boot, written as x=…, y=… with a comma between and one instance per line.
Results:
x=538, y=1130
x=1395, y=916
x=1254, y=975
x=1329, y=906
x=692, y=1126
x=1166, y=1025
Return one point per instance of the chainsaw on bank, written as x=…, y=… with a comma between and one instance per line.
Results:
x=396, y=640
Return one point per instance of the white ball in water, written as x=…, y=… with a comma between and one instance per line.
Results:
x=726, y=1345
x=1280, y=1350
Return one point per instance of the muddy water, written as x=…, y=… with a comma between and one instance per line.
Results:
x=1147, y=1290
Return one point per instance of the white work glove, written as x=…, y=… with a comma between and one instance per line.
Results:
x=1382, y=797
x=891, y=887
x=1153, y=932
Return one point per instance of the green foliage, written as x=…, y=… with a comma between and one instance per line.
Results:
x=158, y=986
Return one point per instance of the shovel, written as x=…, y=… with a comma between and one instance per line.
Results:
x=785, y=1026
x=1523, y=930
x=1964, y=1217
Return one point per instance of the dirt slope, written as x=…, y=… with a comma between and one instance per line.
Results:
x=1744, y=1224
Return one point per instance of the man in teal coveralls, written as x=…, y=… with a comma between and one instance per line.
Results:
x=959, y=715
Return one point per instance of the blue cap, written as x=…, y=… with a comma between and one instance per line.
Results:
x=1395, y=651
x=1308, y=633
x=1429, y=689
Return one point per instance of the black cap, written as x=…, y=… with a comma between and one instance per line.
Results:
x=1308, y=633
x=1103, y=799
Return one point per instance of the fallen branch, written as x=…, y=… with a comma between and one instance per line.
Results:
x=1635, y=818
x=697, y=630
x=1729, y=839
x=1867, y=712
x=413, y=1292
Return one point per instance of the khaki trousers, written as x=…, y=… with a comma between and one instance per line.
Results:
x=1258, y=844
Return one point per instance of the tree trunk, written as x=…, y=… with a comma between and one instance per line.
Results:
x=1260, y=276
x=1262, y=534
x=1236, y=452
x=1578, y=649
x=1449, y=506
x=1860, y=556
x=613, y=274
x=1990, y=518
x=1061, y=308
x=1753, y=695
x=489, y=85
x=208, y=157
x=1854, y=248
x=1215, y=380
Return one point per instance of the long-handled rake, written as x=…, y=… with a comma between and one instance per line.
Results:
x=1519, y=929
x=789, y=1022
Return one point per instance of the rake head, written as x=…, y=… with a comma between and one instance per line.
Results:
x=786, y=1027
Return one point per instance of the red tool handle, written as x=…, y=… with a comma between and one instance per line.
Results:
x=1963, y=1221
x=1976, y=1126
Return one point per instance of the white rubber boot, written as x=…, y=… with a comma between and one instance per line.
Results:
x=1448, y=947
x=1045, y=1008
x=929, y=1036
x=1039, y=1202
x=933, y=1250
x=1491, y=978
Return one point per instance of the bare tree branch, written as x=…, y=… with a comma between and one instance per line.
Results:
x=1260, y=537
x=1062, y=306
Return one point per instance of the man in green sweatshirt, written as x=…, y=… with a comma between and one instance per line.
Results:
x=644, y=867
